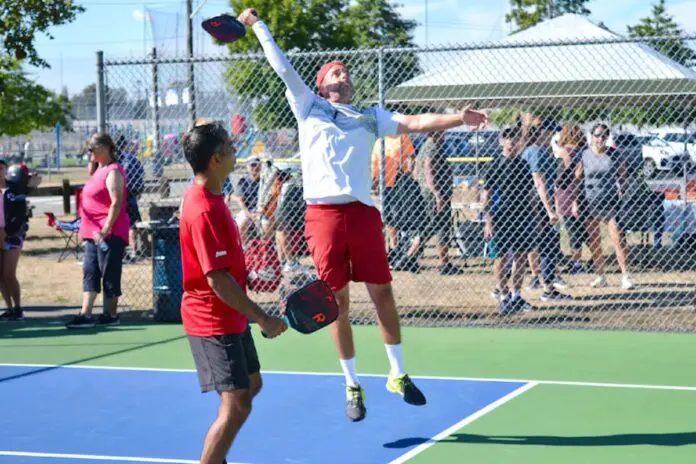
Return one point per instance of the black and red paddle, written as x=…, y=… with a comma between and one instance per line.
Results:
x=224, y=28
x=309, y=308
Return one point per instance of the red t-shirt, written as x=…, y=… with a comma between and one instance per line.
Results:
x=209, y=241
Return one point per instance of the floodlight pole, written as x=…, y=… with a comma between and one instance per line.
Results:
x=189, y=54
x=426, y=23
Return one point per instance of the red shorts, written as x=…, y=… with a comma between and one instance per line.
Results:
x=347, y=243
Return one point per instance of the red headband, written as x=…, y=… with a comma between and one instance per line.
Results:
x=325, y=70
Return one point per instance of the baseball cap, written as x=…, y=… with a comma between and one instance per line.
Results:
x=254, y=160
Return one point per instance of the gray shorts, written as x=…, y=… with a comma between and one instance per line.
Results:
x=225, y=362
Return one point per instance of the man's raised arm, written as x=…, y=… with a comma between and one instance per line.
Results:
x=298, y=90
x=434, y=122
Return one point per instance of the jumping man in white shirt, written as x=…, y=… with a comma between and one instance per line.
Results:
x=343, y=228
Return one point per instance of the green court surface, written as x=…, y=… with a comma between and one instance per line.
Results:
x=593, y=397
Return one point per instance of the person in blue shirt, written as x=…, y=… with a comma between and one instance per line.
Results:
x=544, y=168
x=135, y=183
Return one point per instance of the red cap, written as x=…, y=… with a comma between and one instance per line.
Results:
x=325, y=70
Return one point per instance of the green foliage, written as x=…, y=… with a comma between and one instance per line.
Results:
x=26, y=106
x=527, y=13
x=21, y=20
x=660, y=24
x=314, y=25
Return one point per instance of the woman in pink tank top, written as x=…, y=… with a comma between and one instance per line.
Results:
x=104, y=231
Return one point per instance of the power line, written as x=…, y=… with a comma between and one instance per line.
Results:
x=140, y=3
x=91, y=44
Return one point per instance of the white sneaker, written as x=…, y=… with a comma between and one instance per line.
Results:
x=627, y=282
x=600, y=282
x=560, y=284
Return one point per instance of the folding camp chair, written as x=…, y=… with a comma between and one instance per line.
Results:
x=69, y=230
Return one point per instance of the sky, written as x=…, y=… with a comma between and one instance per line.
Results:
x=124, y=29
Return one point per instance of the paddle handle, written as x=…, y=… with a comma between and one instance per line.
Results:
x=284, y=318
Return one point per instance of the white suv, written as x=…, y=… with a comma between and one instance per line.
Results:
x=659, y=155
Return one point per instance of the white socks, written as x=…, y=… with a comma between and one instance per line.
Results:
x=395, y=360
x=348, y=366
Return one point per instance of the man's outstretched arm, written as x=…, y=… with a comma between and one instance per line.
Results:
x=299, y=91
x=434, y=122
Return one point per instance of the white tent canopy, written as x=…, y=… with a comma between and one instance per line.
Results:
x=591, y=63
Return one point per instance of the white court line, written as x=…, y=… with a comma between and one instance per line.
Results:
x=425, y=377
x=462, y=423
x=96, y=457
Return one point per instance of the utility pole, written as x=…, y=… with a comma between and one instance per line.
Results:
x=189, y=54
x=426, y=23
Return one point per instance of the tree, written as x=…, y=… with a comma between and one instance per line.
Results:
x=24, y=105
x=528, y=13
x=317, y=25
x=20, y=21
x=660, y=24
x=119, y=105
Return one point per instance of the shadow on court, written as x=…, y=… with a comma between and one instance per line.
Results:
x=93, y=358
x=630, y=439
x=49, y=321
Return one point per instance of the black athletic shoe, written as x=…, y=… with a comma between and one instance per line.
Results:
x=355, y=404
x=405, y=387
x=80, y=322
x=12, y=315
x=108, y=320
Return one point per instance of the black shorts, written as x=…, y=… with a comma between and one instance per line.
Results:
x=133, y=211
x=225, y=362
x=514, y=234
x=577, y=233
x=103, y=268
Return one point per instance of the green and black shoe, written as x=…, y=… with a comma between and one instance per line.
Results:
x=404, y=386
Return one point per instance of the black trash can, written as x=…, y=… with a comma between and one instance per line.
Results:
x=167, y=276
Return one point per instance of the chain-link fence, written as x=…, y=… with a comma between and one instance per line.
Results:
x=513, y=224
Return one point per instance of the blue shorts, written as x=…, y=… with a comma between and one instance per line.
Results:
x=14, y=243
x=103, y=268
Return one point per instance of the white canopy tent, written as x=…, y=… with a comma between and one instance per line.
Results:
x=565, y=58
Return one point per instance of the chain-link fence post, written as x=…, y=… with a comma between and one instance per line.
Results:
x=382, y=153
x=101, y=94
x=155, y=106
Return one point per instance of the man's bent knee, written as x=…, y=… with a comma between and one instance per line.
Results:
x=235, y=405
x=255, y=384
x=381, y=293
x=343, y=300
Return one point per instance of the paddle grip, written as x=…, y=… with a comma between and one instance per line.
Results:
x=284, y=318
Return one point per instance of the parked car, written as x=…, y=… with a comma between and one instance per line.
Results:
x=658, y=155
x=682, y=142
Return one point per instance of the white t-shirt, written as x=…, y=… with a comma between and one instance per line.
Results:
x=336, y=140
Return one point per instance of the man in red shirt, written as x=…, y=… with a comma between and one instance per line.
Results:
x=215, y=308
